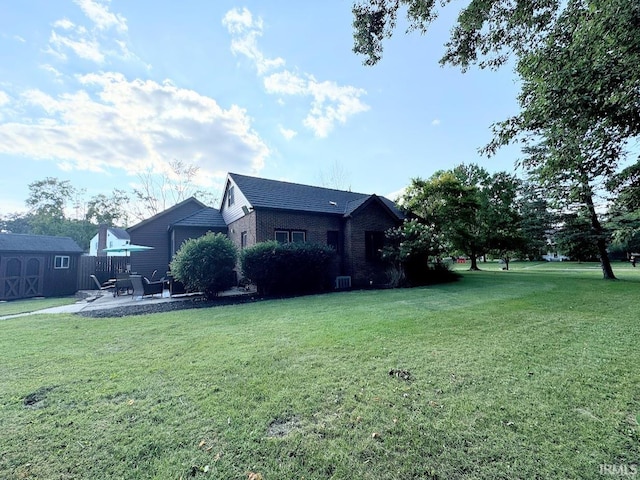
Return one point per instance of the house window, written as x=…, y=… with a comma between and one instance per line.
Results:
x=298, y=237
x=61, y=261
x=373, y=243
x=333, y=240
x=282, y=236
x=293, y=236
x=230, y=196
x=243, y=240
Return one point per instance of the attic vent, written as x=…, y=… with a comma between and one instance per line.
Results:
x=333, y=203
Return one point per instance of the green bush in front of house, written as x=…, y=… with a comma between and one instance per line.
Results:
x=287, y=268
x=206, y=264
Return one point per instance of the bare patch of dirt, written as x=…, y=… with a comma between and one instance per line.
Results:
x=282, y=427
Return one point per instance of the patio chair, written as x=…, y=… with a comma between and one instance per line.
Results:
x=101, y=288
x=142, y=287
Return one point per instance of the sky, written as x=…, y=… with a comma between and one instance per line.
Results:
x=97, y=91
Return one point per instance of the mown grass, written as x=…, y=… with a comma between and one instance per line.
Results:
x=28, y=305
x=530, y=373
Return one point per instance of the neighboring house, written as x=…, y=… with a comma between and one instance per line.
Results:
x=256, y=210
x=108, y=237
x=37, y=265
x=167, y=230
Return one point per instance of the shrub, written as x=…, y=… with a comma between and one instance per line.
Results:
x=206, y=264
x=287, y=268
x=412, y=251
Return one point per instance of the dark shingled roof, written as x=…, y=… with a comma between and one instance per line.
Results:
x=207, y=217
x=264, y=193
x=15, y=242
x=120, y=233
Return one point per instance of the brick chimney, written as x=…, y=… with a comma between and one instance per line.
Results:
x=102, y=240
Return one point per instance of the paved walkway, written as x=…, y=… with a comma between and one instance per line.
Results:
x=108, y=301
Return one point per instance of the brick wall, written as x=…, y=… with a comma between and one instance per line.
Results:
x=373, y=218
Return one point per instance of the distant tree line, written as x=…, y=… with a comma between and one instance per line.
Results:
x=55, y=207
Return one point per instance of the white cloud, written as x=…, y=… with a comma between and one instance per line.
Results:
x=246, y=31
x=4, y=98
x=435, y=122
x=330, y=103
x=86, y=48
x=113, y=123
x=100, y=15
x=52, y=70
x=103, y=38
x=64, y=24
x=287, y=133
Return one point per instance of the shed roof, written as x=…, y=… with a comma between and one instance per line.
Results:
x=16, y=242
x=207, y=217
x=275, y=194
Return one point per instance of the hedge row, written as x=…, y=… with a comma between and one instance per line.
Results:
x=287, y=268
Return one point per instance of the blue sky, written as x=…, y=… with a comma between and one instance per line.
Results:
x=96, y=91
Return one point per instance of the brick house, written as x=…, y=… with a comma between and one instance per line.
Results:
x=255, y=210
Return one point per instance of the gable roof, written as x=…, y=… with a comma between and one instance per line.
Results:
x=274, y=194
x=16, y=242
x=119, y=233
x=164, y=212
x=207, y=217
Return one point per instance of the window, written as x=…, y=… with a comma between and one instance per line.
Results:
x=282, y=236
x=333, y=240
x=293, y=236
x=231, y=196
x=243, y=240
x=373, y=243
x=297, y=237
x=61, y=261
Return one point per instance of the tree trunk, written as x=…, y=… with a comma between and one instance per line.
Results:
x=474, y=262
x=605, y=263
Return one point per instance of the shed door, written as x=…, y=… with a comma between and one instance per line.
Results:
x=21, y=276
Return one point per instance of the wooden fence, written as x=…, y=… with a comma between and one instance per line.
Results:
x=103, y=268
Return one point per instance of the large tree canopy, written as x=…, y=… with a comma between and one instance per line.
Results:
x=473, y=211
x=486, y=33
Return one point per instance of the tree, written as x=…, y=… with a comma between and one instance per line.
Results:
x=471, y=209
x=536, y=220
x=624, y=211
x=335, y=177
x=487, y=31
x=580, y=67
x=156, y=191
x=580, y=91
x=576, y=238
x=49, y=197
x=110, y=210
x=411, y=249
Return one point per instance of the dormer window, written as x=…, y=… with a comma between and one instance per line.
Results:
x=230, y=196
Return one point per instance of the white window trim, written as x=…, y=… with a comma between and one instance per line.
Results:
x=61, y=262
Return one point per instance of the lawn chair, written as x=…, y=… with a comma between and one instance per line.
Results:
x=142, y=287
x=101, y=288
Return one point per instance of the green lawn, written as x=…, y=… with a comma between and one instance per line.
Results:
x=530, y=373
